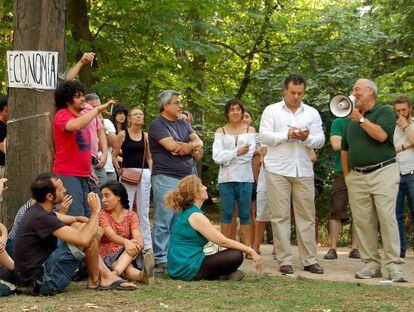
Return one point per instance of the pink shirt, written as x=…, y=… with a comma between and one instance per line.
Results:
x=72, y=148
x=94, y=126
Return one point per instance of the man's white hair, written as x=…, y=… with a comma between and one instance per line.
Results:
x=372, y=85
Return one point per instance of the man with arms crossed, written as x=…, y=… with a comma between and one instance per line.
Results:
x=173, y=145
x=372, y=179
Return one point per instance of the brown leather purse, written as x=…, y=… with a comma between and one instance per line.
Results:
x=130, y=175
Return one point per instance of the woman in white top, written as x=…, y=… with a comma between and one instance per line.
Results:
x=233, y=149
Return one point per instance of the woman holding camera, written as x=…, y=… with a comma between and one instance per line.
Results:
x=233, y=149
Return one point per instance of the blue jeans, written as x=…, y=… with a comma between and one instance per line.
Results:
x=79, y=189
x=230, y=192
x=406, y=189
x=163, y=217
x=58, y=271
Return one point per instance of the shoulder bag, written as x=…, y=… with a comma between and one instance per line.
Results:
x=130, y=175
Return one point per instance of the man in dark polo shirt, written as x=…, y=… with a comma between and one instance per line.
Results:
x=372, y=179
x=173, y=144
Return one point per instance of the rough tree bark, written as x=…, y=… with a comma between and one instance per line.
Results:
x=38, y=26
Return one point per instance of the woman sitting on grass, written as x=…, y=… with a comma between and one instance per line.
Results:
x=122, y=243
x=192, y=230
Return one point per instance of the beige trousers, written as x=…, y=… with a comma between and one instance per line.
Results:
x=372, y=197
x=282, y=192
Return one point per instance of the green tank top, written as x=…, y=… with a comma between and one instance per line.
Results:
x=185, y=250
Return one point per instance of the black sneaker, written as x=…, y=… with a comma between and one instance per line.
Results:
x=237, y=275
x=354, y=254
x=331, y=255
x=160, y=268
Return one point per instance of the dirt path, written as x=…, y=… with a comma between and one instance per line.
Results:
x=343, y=269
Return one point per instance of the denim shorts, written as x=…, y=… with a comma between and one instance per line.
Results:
x=232, y=192
x=110, y=258
x=58, y=271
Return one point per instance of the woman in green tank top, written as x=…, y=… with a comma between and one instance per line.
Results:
x=192, y=230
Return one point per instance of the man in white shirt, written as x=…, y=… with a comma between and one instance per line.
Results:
x=110, y=132
x=291, y=129
x=404, y=146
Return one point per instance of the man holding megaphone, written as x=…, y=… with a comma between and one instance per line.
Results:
x=372, y=179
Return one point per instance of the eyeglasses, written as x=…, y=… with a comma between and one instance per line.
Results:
x=178, y=102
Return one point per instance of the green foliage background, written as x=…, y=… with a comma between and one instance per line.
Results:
x=214, y=50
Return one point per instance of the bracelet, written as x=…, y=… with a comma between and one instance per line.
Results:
x=403, y=129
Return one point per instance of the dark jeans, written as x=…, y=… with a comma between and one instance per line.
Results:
x=406, y=190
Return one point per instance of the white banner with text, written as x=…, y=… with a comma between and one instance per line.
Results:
x=32, y=69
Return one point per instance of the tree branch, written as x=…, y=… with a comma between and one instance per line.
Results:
x=228, y=48
x=99, y=29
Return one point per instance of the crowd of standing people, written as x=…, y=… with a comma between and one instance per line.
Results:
x=94, y=207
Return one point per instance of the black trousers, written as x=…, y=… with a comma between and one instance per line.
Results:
x=221, y=263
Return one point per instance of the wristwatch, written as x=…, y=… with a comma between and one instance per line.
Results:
x=361, y=120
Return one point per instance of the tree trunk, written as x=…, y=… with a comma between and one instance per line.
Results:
x=270, y=8
x=38, y=26
x=78, y=17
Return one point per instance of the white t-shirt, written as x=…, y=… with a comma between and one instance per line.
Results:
x=405, y=158
x=109, y=128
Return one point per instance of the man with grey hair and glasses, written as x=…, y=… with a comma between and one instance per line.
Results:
x=372, y=178
x=173, y=143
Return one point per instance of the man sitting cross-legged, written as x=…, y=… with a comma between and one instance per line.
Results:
x=45, y=265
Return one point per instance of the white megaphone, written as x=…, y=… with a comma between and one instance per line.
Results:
x=342, y=105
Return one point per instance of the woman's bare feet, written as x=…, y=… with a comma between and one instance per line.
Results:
x=114, y=282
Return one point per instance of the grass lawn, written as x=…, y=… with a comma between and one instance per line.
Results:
x=252, y=294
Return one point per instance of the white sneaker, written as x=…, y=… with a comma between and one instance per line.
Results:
x=368, y=272
x=397, y=276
